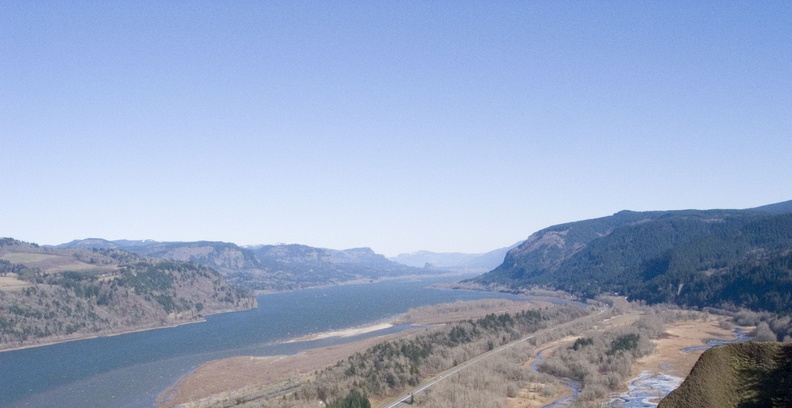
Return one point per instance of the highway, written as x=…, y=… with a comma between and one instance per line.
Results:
x=404, y=398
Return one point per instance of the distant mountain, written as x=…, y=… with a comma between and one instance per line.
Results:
x=304, y=266
x=454, y=260
x=689, y=257
x=737, y=375
x=778, y=208
x=53, y=294
x=267, y=267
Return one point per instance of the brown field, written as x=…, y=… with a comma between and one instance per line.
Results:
x=458, y=311
x=11, y=283
x=29, y=258
x=668, y=357
x=78, y=266
x=49, y=263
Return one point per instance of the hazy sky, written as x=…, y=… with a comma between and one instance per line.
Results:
x=398, y=125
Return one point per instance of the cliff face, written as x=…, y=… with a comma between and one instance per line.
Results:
x=264, y=267
x=737, y=375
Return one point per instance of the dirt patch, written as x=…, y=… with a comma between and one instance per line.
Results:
x=668, y=357
x=534, y=395
x=619, y=321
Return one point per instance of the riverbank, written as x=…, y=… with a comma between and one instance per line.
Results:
x=240, y=377
x=227, y=379
x=130, y=371
x=351, y=332
x=49, y=341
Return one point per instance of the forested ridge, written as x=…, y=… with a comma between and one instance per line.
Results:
x=724, y=258
x=49, y=294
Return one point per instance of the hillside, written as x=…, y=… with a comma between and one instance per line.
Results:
x=737, y=375
x=52, y=294
x=691, y=257
x=266, y=267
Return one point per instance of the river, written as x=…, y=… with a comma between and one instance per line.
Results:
x=130, y=370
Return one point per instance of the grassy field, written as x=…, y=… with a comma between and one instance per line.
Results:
x=52, y=263
x=28, y=258
x=78, y=266
x=12, y=283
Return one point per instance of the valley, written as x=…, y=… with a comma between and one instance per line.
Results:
x=612, y=301
x=505, y=376
x=433, y=204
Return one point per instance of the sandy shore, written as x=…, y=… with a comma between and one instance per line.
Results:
x=221, y=379
x=344, y=333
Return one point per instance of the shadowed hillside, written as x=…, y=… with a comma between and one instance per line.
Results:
x=722, y=258
x=737, y=375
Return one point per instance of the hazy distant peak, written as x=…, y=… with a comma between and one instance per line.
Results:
x=486, y=260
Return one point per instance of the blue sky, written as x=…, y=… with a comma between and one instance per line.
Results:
x=401, y=126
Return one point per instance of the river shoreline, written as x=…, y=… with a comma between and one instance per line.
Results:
x=227, y=379
x=130, y=371
x=43, y=342
x=111, y=333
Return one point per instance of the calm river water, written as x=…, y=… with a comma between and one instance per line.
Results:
x=130, y=370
